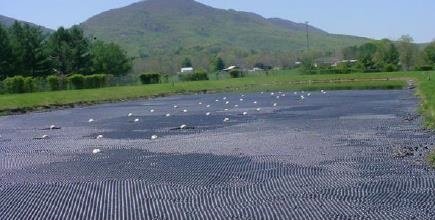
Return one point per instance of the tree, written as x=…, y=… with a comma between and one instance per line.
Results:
x=60, y=52
x=28, y=46
x=407, y=52
x=386, y=57
x=5, y=53
x=218, y=64
x=365, y=56
x=350, y=53
x=378, y=56
x=308, y=60
x=429, y=53
x=80, y=51
x=186, y=63
x=70, y=51
x=109, y=58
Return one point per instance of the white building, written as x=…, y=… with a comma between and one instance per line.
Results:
x=231, y=68
x=187, y=70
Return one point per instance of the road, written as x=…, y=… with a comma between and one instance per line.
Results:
x=339, y=155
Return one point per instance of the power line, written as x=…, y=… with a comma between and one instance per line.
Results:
x=308, y=37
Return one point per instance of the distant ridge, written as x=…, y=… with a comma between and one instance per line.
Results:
x=164, y=25
x=7, y=22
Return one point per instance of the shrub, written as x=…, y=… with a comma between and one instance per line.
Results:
x=343, y=68
x=165, y=78
x=15, y=84
x=390, y=67
x=236, y=74
x=425, y=68
x=54, y=82
x=96, y=81
x=29, y=84
x=19, y=84
x=101, y=80
x=2, y=87
x=197, y=76
x=150, y=78
x=77, y=81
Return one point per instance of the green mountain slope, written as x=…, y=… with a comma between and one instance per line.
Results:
x=181, y=27
x=7, y=22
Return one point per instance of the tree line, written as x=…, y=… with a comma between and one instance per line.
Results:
x=386, y=55
x=375, y=56
x=27, y=51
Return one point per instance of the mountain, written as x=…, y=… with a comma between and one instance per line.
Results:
x=182, y=27
x=293, y=26
x=7, y=22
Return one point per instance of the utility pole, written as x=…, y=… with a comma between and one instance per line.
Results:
x=308, y=38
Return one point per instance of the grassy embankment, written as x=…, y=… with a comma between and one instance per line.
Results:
x=427, y=94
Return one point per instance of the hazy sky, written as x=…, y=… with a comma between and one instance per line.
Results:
x=370, y=18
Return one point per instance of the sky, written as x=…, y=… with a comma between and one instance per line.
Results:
x=368, y=18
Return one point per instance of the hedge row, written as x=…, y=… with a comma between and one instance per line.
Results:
x=20, y=84
x=150, y=78
x=155, y=78
x=78, y=81
x=197, y=76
